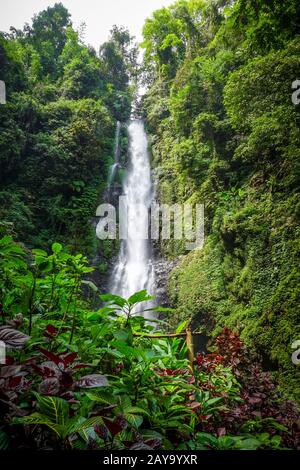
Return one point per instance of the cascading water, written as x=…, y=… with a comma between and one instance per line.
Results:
x=134, y=269
x=112, y=175
x=116, y=164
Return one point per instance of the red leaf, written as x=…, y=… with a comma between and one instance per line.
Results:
x=68, y=358
x=15, y=381
x=102, y=431
x=254, y=400
x=153, y=443
x=194, y=405
x=47, y=369
x=113, y=427
x=92, y=381
x=66, y=380
x=51, y=356
x=12, y=338
x=49, y=386
x=221, y=432
x=51, y=331
x=9, y=360
x=9, y=371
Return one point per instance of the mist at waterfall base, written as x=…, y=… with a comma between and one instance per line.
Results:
x=134, y=270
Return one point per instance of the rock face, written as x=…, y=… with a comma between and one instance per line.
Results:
x=162, y=269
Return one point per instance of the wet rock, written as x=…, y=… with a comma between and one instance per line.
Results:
x=162, y=269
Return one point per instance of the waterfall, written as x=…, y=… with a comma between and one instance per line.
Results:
x=111, y=176
x=115, y=165
x=134, y=269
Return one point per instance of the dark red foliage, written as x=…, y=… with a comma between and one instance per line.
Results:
x=171, y=372
x=259, y=394
x=51, y=331
x=119, y=367
x=230, y=347
x=102, y=431
x=114, y=427
x=58, y=371
x=208, y=362
x=58, y=374
x=13, y=382
x=62, y=360
x=91, y=381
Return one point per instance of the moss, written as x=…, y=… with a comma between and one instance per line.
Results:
x=249, y=282
x=229, y=138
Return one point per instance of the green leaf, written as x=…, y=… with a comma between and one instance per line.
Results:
x=106, y=310
x=181, y=326
x=123, y=335
x=206, y=439
x=126, y=350
x=160, y=309
x=114, y=353
x=56, y=248
x=248, y=444
x=4, y=441
x=276, y=441
x=101, y=397
x=56, y=409
x=38, y=418
x=141, y=296
x=150, y=434
x=133, y=419
x=39, y=252
x=135, y=410
x=5, y=240
x=91, y=285
x=214, y=400
x=115, y=299
x=81, y=425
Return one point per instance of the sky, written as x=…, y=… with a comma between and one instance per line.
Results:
x=99, y=15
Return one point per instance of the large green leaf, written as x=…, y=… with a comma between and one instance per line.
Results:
x=80, y=425
x=102, y=397
x=91, y=285
x=182, y=325
x=56, y=409
x=250, y=443
x=113, y=299
x=38, y=418
x=133, y=420
x=141, y=296
x=4, y=441
x=136, y=409
x=56, y=248
x=126, y=350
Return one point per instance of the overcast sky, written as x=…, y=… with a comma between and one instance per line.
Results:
x=99, y=15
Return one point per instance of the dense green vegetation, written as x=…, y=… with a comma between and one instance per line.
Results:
x=84, y=370
x=58, y=126
x=82, y=378
x=225, y=133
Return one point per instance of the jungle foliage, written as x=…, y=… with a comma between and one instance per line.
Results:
x=57, y=128
x=80, y=377
x=85, y=370
x=225, y=133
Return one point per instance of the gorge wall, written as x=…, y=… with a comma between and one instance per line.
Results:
x=225, y=133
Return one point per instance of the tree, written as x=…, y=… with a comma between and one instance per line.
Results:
x=48, y=35
x=120, y=57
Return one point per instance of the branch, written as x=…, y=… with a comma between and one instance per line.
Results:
x=170, y=335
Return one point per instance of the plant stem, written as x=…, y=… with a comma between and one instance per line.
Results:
x=74, y=314
x=30, y=303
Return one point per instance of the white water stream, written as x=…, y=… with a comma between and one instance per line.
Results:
x=134, y=269
x=116, y=164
